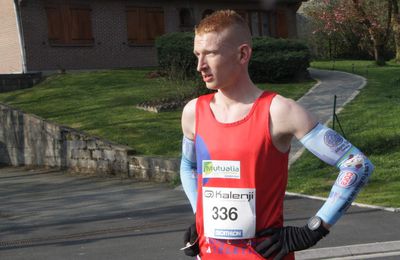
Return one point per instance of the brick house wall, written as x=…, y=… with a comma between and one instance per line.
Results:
x=10, y=48
x=110, y=48
x=288, y=9
x=291, y=16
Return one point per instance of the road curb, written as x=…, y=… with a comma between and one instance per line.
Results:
x=358, y=251
x=361, y=205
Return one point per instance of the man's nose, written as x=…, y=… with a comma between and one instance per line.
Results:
x=201, y=64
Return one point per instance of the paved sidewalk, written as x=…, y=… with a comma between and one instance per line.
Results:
x=319, y=99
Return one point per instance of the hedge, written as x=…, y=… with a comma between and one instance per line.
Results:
x=175, y=55
x=278, y=60
x=273, y=60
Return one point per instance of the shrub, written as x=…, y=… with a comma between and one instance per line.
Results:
x=175, y=55
x=278, y=60
x=274, y=60
x=177, y=61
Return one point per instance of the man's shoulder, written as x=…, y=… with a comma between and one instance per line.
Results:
x=190, y=107
x=189, y=118
x=282, y=106
x=290, y=117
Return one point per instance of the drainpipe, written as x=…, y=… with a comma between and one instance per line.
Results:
x=21, y=39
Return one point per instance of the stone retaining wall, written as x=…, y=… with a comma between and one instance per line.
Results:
x=28, y=140
x=153, y=168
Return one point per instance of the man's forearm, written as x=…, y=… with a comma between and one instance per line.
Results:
x=354, y=166
x=355, y=170
x=188, y=172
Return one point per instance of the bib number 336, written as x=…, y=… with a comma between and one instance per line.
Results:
x=229, y=213
x=223, y=213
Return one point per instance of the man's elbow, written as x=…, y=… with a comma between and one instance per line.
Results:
x=359, y=164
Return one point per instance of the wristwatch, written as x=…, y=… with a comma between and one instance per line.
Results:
x=315, y=224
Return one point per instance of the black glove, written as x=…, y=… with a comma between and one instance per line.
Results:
x=191, y=237
x=284, y=240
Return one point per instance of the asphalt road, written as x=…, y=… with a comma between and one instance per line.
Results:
x=47, y=214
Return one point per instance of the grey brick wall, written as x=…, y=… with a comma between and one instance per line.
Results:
x=12, y=82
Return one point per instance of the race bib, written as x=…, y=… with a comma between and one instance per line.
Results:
x=229, y=213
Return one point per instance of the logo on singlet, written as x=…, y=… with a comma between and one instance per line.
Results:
x=221, y=169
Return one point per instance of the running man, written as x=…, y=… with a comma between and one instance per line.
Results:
x=234, y=166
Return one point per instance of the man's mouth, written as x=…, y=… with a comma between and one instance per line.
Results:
x=207, y=78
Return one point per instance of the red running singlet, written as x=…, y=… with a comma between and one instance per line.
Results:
x=242, y=180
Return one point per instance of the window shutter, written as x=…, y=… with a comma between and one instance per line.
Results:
x=281, y=24
x=55, y=28
x=132, y=15
x=144, y=24
x=69, y=24
x=81, y=25
x=154, y=24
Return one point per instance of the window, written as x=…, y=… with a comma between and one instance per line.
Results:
x=244, y=14
x=260, y=22
x=255, y=24
x=144, y=24
x=69, y=24
x=266, y=21
x=206, y=13
x=186, y=22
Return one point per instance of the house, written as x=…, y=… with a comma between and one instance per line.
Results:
x=48, y=35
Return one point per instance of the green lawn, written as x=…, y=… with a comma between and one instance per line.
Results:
x=372, y=123
x=103, y=104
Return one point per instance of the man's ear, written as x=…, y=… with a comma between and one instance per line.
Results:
x=245, y=53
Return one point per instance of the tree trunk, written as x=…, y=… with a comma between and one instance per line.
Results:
x=379, y=54
x=396, y=29
x=397, y=40
x=396, y=33
x=379, y=37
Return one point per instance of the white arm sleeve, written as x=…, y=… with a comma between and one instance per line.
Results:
x=188, y=171
x=354, y=166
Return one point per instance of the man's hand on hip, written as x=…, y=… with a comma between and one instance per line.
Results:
x=281, y=241
x=191, y=241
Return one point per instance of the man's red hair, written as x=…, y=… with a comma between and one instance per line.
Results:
x=220, y=20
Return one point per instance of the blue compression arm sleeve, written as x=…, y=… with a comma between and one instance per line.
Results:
x=354, y=166
x=188, y=171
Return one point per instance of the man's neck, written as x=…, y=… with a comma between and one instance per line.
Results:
x=244, y=91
